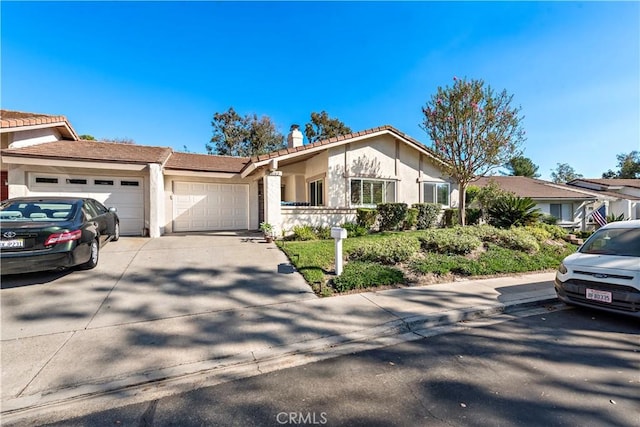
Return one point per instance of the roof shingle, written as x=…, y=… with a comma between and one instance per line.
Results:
x=206, y=163
x=93, y=151
x=523, y=186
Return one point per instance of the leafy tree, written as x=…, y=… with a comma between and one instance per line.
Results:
x=323, y=127
x=564, y=173
x=628, y=166
x=87, y=137
x=488, y=196
x=521, y=166
x=235, y=135
x=473, y=130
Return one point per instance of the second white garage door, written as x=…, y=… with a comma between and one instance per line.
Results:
x=199, y=206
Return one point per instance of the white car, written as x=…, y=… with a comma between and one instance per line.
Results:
x=605, y=271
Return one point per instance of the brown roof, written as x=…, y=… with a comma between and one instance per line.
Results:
x=522, y=186
x=342, y=138
x=614, y=182
x=206, y=163
x=93, y=151
x=17, y=119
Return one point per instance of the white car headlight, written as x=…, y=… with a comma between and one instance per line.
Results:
x=562, y=269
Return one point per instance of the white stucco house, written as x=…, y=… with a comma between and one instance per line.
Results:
x=157, y=190
x=573, y=203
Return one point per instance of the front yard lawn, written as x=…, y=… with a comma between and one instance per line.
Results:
x=428, y=256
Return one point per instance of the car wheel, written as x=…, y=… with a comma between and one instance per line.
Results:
x=93, y=259
x=116, y=233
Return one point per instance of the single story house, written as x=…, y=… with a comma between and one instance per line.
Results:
x=571, y=203
x=157, y=190
x=622, y=195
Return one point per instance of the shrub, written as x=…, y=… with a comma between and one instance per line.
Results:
x=548, y=219
x=388, y=251
x=359, y=275
x=511, y=210
x=411, y=219
x=539, y=233
x=556, y=231
x=391, y=215
x=449, y=241
x=473, y=216
x=304, y=232
x=440, y=264
x=427, y=215
x=450, y=217
x=366, y=217
x=515, y=238
x=323, y=233
x=355, y=230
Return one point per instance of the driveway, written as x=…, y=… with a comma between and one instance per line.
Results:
x=139, y=282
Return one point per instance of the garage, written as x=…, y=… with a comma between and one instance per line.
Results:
x=200, y=206
x=124, y=193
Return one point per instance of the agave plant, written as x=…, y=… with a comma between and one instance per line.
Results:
x=512, y=210
x=613, y=218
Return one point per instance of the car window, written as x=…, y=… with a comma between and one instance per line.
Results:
x=89, y=210
x=614, y=241
x=41, y=210
x=98, y=207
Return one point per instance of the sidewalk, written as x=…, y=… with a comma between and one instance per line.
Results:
x=124, y=363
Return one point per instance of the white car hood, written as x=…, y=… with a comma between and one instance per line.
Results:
x=595, y=261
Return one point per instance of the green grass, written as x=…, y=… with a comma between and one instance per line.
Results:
x=315, y=259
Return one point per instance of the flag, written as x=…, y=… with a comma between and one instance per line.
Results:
x=599, y=215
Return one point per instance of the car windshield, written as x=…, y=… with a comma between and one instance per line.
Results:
x=614, y=241
x=36, y=211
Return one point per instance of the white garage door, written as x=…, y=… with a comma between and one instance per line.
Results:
x=124, y=193
x=199, y=206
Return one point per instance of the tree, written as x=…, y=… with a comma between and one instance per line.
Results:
x=235, y=135
x=87, y=137
x=473, y=130
x=324, y=127
x=628, y=166
x=564, y=173
x=521, y=166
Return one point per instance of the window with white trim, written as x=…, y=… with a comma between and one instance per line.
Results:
x=316, y=193
x=370, y=192
x=562, y=211
x=437, y=192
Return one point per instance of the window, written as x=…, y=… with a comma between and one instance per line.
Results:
x=562, y=211
x=76, y=181
x=316, y=193
x=436, y=192
x=130, y=183
x=366, y=192
x=103, y=182
x=46, y=180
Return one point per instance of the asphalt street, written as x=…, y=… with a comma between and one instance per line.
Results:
x=554, y=368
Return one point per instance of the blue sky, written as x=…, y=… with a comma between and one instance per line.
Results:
x=156, y=72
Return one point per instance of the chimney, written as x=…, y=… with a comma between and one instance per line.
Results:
x=294, y=139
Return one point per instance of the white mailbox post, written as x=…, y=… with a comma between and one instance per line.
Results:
x=338, y=234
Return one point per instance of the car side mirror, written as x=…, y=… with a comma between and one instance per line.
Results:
x=114, y=210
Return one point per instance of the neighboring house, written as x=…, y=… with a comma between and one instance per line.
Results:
x=157, y=190
x=18, y=129
x=571, y=206
x=622, y=195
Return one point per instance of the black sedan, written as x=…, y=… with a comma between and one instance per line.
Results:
x=50, y=233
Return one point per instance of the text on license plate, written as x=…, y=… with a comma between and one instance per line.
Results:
x=15, y=243
x=602, y=296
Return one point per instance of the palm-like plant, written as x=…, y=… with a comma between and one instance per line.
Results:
x=511, y=210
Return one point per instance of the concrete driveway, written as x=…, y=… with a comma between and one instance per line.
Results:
x=138, y=282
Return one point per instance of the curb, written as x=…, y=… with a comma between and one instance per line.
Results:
x=173, y=380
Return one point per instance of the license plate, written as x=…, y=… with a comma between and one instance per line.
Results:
x=601, y=296
x=16, y=243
